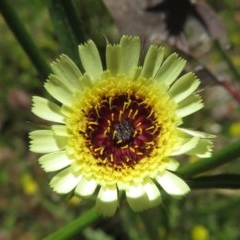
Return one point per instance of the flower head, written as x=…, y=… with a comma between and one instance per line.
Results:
x=117, y=129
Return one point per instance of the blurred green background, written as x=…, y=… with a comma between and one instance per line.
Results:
x=28, y=207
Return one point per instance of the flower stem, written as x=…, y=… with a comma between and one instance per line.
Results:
x=220, y=157
x=74, y=227
x=229, y=181
x=73, y=20
x=15, y=24
x=67, y=27
x=206, y=72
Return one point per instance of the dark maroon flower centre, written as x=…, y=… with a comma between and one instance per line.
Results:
x=121, y=130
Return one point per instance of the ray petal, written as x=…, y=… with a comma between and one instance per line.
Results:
x=65, y=181
x=47, y=110
x=54, y=161
x=172, y=164
x=183, y=87
x=185, y=145
x=189, y=105
x=59, y=91
x=90, y=59
x=130, y=45
x=86, y=187
x=60, y=130
x=152, y=61
x=203, y=149
x=170, y=69
x=172, y=184
x=196, y=133
x=68, y=72
x=45, y=141
x=152, y=192
x=114, y=59
x=137, y=198
x=107, y=201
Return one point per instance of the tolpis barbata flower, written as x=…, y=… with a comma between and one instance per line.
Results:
x=118, y=129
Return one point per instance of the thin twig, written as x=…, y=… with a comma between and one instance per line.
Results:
x=202, y=68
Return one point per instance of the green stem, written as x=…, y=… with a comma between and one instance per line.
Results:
x=223, y=156
x=60, y=13
x=27, y=43
x=73, y=20
x=229, y=181
x=74, y=227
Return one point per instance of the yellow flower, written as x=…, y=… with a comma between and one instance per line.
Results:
x=199, y=232
x=117, y=129
x=234, y=129
x=29, y=186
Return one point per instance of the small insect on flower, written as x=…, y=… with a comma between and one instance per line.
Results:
x=118, y=129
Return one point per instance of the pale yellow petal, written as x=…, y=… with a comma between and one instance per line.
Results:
x=90, y=59
x=86, y=187
x=65, y=181
x=172, y=184
x=172, y=164
x=170, y=69
x=137, y=198
x=114, y=59
x=185, y=145
x=195, y=133
x=68, y=73
x=189, y=105
x=152, y=61
x=130, y=47
x=54, y=161
x=183, y=87
x=47, y=110
x=203, y=149
x=152, y=192
x=45, y=141
x=107, y=201
x=59, y=91
x=60, y=130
